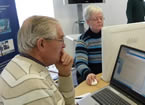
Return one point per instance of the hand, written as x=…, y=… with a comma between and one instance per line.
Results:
x=64, y=66
x=90, y=78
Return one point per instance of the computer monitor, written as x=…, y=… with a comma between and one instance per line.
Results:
x=70, y=43
x=82, y=1
x=113, y=36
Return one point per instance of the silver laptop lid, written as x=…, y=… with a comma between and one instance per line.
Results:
x=129, y=72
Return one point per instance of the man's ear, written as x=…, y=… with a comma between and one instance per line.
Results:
x=40, y=43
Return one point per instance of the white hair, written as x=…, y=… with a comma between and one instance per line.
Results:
x=89, y=10
x=34, y=28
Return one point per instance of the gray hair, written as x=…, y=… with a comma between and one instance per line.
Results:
x=89, y=10
x=33, y=28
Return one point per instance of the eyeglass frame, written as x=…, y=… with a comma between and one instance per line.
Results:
x=60, y=40
x=97, y=19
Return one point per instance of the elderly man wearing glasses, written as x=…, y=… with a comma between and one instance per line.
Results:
x=25, y=80
x=88, y=59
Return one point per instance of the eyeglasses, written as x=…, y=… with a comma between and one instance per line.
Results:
x=60, y=40
x=97, y=19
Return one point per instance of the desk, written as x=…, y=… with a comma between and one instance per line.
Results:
x=83, y=88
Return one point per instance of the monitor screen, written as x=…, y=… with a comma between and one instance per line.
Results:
x=113, y=36
x=129, y=71
x=83, y=1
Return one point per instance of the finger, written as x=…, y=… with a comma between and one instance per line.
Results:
x=88, y=82
x=63, y=57
x=91, y=77
x=68, y=60
x=94, y=77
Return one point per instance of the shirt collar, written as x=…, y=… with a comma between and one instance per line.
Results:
x=32, y=58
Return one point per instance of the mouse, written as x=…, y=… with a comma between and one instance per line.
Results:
x=94, y=82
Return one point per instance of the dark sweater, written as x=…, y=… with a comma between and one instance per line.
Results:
x=88, y=57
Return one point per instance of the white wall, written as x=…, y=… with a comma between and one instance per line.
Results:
x=67, y=15
x=27, y=8
x=114, y=13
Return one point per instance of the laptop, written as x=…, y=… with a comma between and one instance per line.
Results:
x=127, y=85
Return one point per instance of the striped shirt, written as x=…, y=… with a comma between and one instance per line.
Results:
x=26, y=82
x=88, y=58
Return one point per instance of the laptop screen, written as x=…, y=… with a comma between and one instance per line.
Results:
x=129, y=72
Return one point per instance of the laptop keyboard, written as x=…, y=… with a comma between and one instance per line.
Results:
x=107, y=97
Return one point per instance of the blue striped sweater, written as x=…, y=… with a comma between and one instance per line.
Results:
x=88, y=58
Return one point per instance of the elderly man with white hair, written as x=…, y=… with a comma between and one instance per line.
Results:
x=25, y=80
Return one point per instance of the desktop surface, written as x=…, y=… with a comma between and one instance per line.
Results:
x=83, y=88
